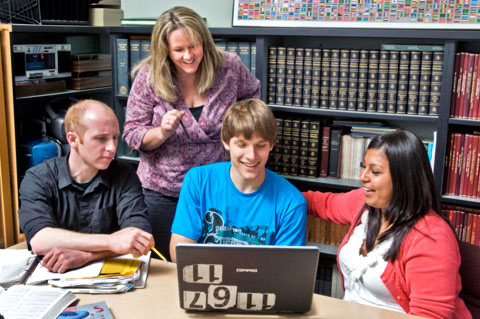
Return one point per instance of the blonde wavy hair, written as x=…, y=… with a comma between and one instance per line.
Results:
x=163, y=70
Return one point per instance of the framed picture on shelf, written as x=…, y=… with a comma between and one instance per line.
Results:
x=426, y=14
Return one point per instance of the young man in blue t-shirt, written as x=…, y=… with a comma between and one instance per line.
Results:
x=240, y=202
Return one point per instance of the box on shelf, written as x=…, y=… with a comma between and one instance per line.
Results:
x=105, y=17
x=91, y=71
x=22, y=90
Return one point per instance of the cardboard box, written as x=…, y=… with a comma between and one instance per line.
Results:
x=105, y=17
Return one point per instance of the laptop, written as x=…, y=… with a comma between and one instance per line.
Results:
x=260, y=279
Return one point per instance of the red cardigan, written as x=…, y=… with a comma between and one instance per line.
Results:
x=424, y=278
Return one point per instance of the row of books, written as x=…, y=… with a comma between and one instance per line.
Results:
x=463, y=165
x=465, y=100
x=129, y=52
x=397, y=79
x=324, y=279
x=247, y=51
x=465, y=223
x=323, y=232
x=427, y=11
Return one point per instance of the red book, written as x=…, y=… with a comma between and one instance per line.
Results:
x=451, y=217
x=461, y=225
x=473, y=86
x=477, y=235
x=453, y=168
x=468, y=231
x=476, y=184
x=325, y=151
x=474, y=229
x=473, y=165
x=468, y=86
x=451, y=152
x=461, y=83
x=456, y=72
x=476, y=101
x=458, y=169
x=467, y=160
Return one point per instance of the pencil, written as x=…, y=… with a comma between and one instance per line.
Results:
x=158, y=253
x=183, y=126
x=185, y=131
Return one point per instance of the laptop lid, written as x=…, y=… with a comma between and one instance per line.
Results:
x=232, y=278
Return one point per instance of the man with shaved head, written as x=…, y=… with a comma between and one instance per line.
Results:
x=84, y=206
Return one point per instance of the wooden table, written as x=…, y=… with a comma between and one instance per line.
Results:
x=159, y=299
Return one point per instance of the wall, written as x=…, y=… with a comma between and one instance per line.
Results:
x=217, y=12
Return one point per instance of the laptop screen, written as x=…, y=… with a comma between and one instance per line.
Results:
x=234, y=278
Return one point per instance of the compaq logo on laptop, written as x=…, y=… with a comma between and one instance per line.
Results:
x=246, y=270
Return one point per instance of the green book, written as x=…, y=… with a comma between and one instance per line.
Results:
x=402, y=92
x=425, y=79
x=343, y=79
x=412, y=47
x=316, y=78
x=392, y=81
x=436, y=83
x=272, y=75
x=372, y=90
x=414, y=82
x=383, y=81
x=362, y=81
x=353, y=79
x=325, y=78
x=334, y=79
x=298, y=78
x=307, y=77
x=281, y=65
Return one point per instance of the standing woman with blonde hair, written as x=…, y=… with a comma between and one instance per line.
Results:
x=175, y=109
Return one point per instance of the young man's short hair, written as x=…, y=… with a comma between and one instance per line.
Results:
x=247, y=117
x=74, y=118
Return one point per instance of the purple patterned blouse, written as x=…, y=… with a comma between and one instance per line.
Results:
x=163, y=169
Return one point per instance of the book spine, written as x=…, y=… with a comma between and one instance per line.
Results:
x=473, y=86
x=135, y=55
x=449, y=160
x=353, y=80
x=467, y=158
x=307, y=77
x=289, y=76
x=392, y=81
x=383, y=70
x=253, y=58
x=272, y=75
x=278, y=149
x=372, y=90
x=460, y=165
x=468, y=86
x=413, y=82
x=334, y=78
x=335, y=151
x=287, y=140
x=425, y=79
x=303, y=149
x=122, y=67
x=325, y=78
x=362, y=81
x=325, y=151
x=298, y=78
x=436, y=83
x=475, y=193
x=316, y=78
x=232, y=46
x=472, y=169
x=313, y=148
x=144, y=48
x=343, y=79
x=403, y=75
x=221, y=45
x=281, y=66
x=294, y=147
x=456, y=74
x=462, y=82
x=476, y=100
x=244, y=53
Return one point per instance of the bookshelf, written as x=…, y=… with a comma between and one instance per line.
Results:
x=452, y=41
x=29, y=109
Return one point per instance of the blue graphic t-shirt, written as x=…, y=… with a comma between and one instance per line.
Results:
x=212, y=210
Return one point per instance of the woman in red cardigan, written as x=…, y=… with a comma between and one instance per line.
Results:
x=400, y=253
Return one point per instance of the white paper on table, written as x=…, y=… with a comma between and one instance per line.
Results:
x=42, y=274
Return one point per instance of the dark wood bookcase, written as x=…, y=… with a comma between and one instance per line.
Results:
x=351, y=38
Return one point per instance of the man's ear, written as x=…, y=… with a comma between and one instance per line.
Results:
x=226, y=146
x=73, y=139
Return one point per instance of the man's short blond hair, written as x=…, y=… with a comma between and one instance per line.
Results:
x=74, y=117
x=247, y=117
